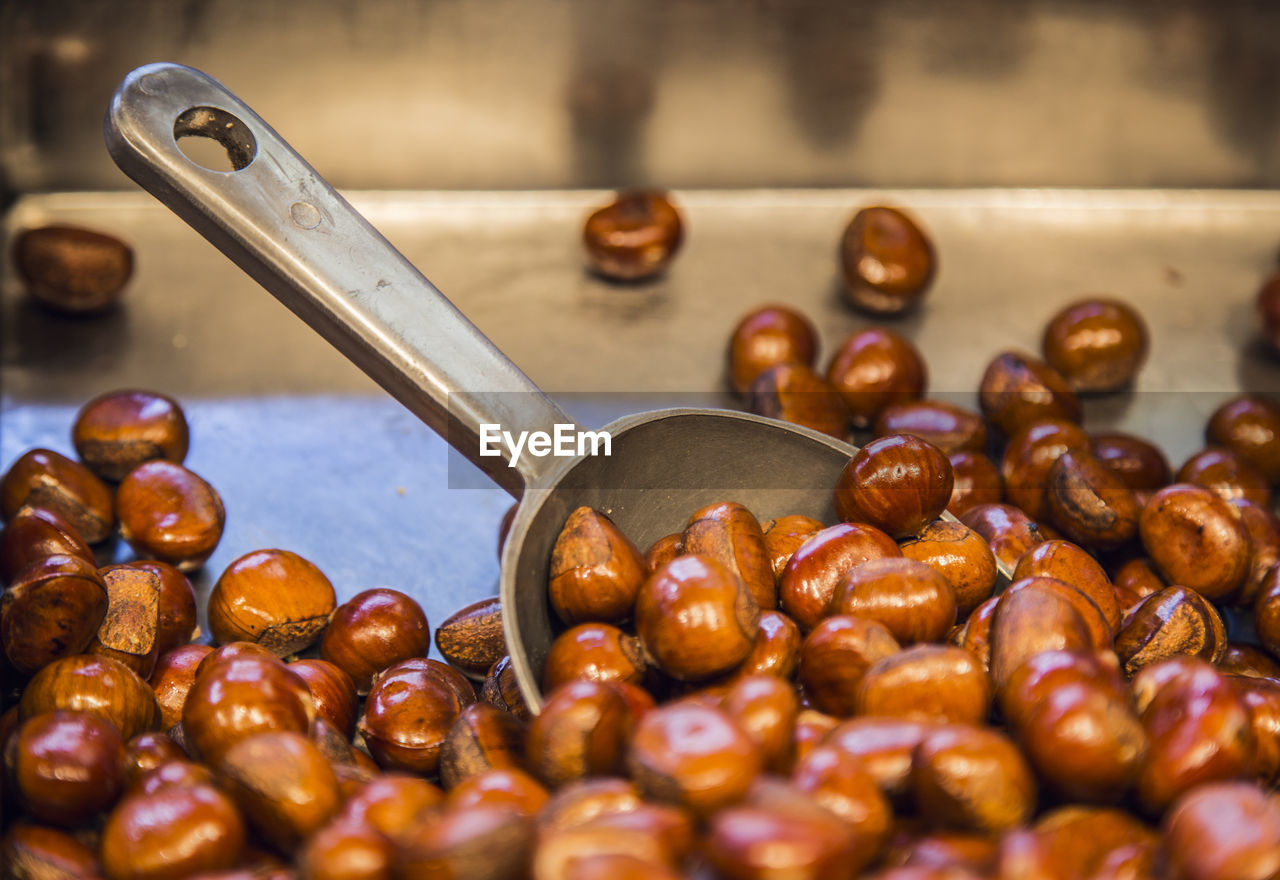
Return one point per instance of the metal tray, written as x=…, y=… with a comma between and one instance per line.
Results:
x=310, y=456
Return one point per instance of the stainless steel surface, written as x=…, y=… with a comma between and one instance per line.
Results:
x=529, y=94
x=312, y=457
x=277, y=219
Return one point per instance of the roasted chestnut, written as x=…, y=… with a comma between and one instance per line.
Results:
x=169, y=513
x=887, y=260
x=633, y=237
x=372, y=630
x=1096, y=344
x=766, y=337
x=274, y=598
x=898, y=484
x=874, y=369
x=71, y=269
x=119, y=430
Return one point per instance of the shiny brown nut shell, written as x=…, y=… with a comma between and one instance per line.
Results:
x=130, y=632
x=346, y=851
x=974, y=635
x=1090, y=503
x=170, y=513
x=393, y=803
x=765, y=707
x=972, y=778
x=1036, y=618
x=1018, y=389
x=1006, y=529
x=472, y=638
x=810, y=578
x=52, y=609
x=1266, y=612
x=1250, y=426
x=66, y=767
x=1196, y=540
x=505, y=787
x=117, y=431
x=240, y=697
x=927, y=683
x=407, y=715
x=776, y=650
x=1136, y=580
x=948, y=427
x=1263, y=528
x=501, y=689
x=35, y=533
x=1139, y=462
x=35, y=852
x=277, y=599
x=1228, y=473
x=1198, y=731
x=468, y=843
x=595, y=572
x=176, y=832
x=961, y=556
x=898, y=484
x=149, y=750
x=884, y=747
x=1169, y=623
x=333, y=693
x=911, y=599
x=766, y=337
x=835, y=657
x=580, y=732
x=795, y=393
x=695, y=618
x=1069, y=563
x=1261, y=699
x=71, y=269
x=766, y=840
x=172, y=679
x=481, y=738
x=1224, y=830
x=662, y=551
x=729, y=532
x=887, y=261
x=1097, y=344
x=47, y=479
x=1029, y=457
x=784, y=536
x=98, y=685
x=1244, y=659
x=874, y=369
x=593, y=651
x=837, y=782
x=1100, y=632
x=371, y=631
x=633, y=237
x=975, y=481
x=177, y=604
x=692, y=755
x=282, y=783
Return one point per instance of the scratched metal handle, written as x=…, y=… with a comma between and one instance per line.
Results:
x=285, y=226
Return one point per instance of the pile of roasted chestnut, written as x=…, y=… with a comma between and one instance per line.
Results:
x=784, y=699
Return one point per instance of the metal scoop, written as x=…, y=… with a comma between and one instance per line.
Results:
x=284, y=225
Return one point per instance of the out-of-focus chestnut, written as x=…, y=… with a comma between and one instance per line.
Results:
x=174, y=832
x=975, y=481
x=887, y=260
x=35, y=852
x=1017, y=389
x=333, y=693
x=693, y=755
x=1029, y=457
x=874, y=369
x=239, y=697
x=633, y=237
x=836, y=655
x=795, y=393
x=972, y=777
x=784, y=536
x=66, y=766
x=481, y=738
x=1267, y=302
x=580, y=732
x=1249, y=425
x=71, y=269
x=911, y=599
x=117, y=431
x=927, y=683
x=373, y=630
x=34, y=533
x=810, y=578
x=44, y=478
x=275, y=598
x=949, y=427
x=766, y=337
x=1222, y=830
x=1090, y=503
x=1139, y=462
x=898, y=484
x=595, y=570
x=1009, y=532
x=169, y=513
x=1096, y=344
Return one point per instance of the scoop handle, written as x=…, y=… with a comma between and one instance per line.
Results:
x=286, y=227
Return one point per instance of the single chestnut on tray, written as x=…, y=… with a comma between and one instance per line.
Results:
x=888, y=262
x=73, y=270
x=633, y=237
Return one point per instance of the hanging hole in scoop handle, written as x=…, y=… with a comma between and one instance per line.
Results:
x=278, y=219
